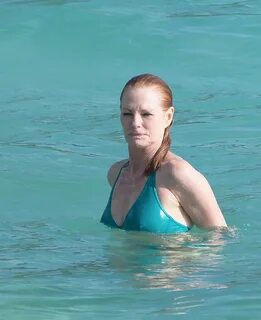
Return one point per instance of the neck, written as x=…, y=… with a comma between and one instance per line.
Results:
x=139, y=159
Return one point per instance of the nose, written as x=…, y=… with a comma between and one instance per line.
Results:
x=136, y=120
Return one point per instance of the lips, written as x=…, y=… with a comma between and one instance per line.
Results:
x=136, y=134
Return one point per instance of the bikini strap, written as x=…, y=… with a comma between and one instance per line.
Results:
x=152, y=179
x=119, y=173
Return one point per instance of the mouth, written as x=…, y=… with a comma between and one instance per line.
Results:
x=136, y=134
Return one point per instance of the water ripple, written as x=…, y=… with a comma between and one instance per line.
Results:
x=45, y=2
x=47, y=146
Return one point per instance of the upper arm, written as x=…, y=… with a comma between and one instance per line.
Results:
x=196, y=197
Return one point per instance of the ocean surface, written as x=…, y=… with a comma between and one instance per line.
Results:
x=62, y=67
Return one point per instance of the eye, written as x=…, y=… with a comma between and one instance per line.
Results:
x=127, y=114
x=146, y=114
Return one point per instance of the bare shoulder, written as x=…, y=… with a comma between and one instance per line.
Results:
x=114, y=170
x=193, y=192
x=180, y=172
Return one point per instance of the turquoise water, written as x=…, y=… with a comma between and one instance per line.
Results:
x=63, y=64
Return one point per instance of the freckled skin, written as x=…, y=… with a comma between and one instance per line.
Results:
x=183, y=191
x=140, y=113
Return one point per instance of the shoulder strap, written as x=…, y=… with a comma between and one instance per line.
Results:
x=152, y=179
x=119, y=173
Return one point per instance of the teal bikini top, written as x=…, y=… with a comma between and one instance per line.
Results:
x=146, y=214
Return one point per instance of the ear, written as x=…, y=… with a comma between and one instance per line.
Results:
x=169, y=115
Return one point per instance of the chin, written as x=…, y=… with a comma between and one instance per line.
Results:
x=139, y=144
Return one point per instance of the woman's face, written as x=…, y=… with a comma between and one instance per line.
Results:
x=142, y=117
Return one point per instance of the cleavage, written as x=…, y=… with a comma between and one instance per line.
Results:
x=124, y=197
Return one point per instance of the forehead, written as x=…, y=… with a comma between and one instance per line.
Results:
x=143, y=96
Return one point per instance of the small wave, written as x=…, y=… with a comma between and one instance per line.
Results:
x=43, y=2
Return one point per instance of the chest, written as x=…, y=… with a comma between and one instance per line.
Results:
x=124, y=196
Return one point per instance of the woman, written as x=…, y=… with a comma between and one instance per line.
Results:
x=155, y=190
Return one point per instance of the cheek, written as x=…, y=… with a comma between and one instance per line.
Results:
x=160, y=128
x=157, y=124
x=124, y=123
x=121, y=120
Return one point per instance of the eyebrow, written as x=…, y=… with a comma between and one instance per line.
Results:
x=142, y=110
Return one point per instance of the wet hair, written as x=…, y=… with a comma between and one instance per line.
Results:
x=149, y=80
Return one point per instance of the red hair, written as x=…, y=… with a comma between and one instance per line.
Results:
x=149, y=80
